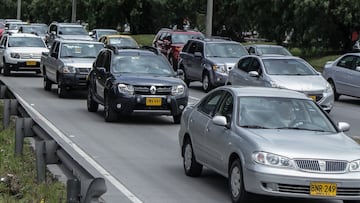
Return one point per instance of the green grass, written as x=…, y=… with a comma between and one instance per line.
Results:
x=319, y=62
x=20, y=173
x=144, y=40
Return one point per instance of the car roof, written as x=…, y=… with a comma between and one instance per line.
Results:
x=264, y=92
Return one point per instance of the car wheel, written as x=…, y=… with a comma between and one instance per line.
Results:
x=336, y=95
x=92, y=105
x=7, y=71
x=236, y=183
x=110, y=114
x=177, y=118
x=191, y=166
x=206, y=84
x=61, y=91
x=47, y=83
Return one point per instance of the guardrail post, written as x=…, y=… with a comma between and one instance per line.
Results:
x=96, y=188
x=40, y=160
x=3, y=89
x=22, y=130
x=73, y=191
x=10, y=108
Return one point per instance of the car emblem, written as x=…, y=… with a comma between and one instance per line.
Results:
x=152, y=89
x=322, y=165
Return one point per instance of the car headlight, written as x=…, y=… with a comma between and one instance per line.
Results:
x=219, y=68
x=68, y=69
x=15, y=55
x=354, y=166
x=177, y=90
x=126, y=89
x=272, y=160
x=328, y=89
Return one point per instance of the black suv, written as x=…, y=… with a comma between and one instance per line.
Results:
x=209, y=60
x=135, y=81
x=170, y=42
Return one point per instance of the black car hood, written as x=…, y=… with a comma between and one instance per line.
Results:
x=148, y=80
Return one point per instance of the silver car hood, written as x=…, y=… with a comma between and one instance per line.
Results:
x=300, y=83
x=76, y=37
x=306, y=144
x=78, y=62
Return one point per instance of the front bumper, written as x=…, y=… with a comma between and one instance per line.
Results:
x=33, y=65
x=296, y=184
x=136, y=105
x=73, y=80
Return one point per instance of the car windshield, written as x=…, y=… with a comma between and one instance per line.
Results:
x=225, y=50
x=34, y=29
x=123, y=42
x=282, y=113
x=80, y=50
x=273, y=50
x=101, y=33
x=183, y=38
x=288, y=67
x=72, y=30
x=15, y=26
x=142, y=64
x=26, y=42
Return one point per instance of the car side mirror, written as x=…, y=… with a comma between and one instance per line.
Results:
x=198, y=54
x=101, y=70
x=254, y=74
x=343, y=126
x=220, y=120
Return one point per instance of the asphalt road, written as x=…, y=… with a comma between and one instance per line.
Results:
x=140, y=156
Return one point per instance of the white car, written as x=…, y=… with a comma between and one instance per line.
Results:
x=21, y=52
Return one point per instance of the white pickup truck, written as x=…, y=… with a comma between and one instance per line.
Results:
x=68, y=63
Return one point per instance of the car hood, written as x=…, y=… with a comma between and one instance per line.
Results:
x=78, y=62
x=307, y=144
x=148, y=80
x=76, y=37
x=301, y=83
x=28, y=49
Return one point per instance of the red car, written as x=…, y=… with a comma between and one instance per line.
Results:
x=170, y=42
x=2, y=29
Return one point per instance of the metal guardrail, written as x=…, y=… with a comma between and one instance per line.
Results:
x=81, y=185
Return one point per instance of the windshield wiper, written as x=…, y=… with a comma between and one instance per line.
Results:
x=297, y=128
x=254, y=126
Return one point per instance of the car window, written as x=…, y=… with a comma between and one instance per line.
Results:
x=193, y=47
x=208, y=105
x=72, y=30
x=273, y=50
x=123, y=42
x=347, y=62
x=80, y=50
x=225, y=50
x=226, y=107
x=288, y=67
x=182, y=38
x=244, y=64
x=142, y=64
x=255, y=66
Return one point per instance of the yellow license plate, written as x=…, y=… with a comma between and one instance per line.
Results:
x=323, y=189
x=30, y=63
x=151, y=101
x=313, y=97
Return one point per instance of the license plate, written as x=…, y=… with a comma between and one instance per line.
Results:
x=313, y=97
x=31, y=63
x=323, y=189
x=151, y=101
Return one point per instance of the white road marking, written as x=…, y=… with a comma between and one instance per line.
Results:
x=83, y=154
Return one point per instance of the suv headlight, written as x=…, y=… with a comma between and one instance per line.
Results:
x=354, y=166
x=15, y=55
x=270, y=159
x=177, y=90
x=126, y=89
x=220, y=68
x=328, y=89
x=68, y=69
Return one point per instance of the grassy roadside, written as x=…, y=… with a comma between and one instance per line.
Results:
x=18, y=173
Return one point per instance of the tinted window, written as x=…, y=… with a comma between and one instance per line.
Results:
x=80, y=50
x=209, y=104
x=244, y=64
x=273, y=50
x=181, y=38
x=72, y=31
x=347, y=62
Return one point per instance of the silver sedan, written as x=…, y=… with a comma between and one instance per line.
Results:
x=270, y=141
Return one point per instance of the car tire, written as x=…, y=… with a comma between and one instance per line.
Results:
x=206, y=84
x=61, y=91
x=236, y=183
x=110, y=114
x=92, y=105
x=177, y=118
x=47, y=83
x=7, y=71
x=191, y=166
x=336, y=95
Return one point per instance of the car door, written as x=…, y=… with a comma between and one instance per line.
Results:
x=345, y=68
x=216, y=138
x=198, y=122
x=195, y=59
x=102, y=66
x=254, y=76
x=53, y=61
